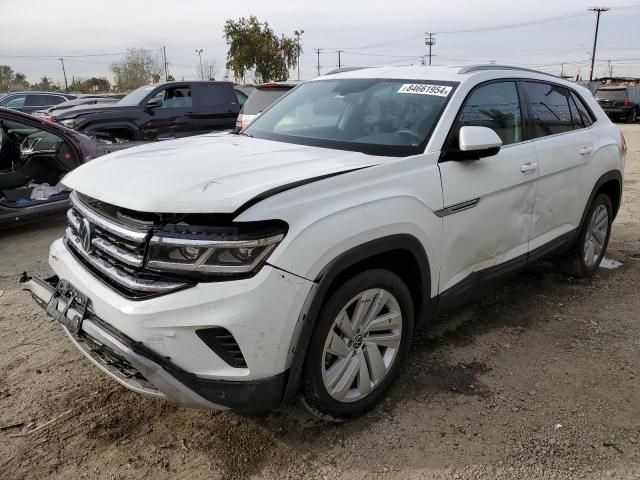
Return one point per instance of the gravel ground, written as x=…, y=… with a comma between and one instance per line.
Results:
x=538, y=381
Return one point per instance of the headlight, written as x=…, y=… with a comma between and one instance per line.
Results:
x=70, y=123
x=193, y=253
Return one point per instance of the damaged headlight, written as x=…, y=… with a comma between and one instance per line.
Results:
x=212, y=253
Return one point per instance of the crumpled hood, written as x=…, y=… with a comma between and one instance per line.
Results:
x=215, y=173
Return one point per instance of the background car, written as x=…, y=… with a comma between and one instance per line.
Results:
x=620, y=103
x=34, y=156
x=29, y=102
x=159, y=112
x=260, y=98
x=47, y=113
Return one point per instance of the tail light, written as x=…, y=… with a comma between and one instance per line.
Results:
x=623, y=145
x=626, y=102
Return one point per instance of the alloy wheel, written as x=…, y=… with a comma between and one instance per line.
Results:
x=362, y=344
x=596, y=236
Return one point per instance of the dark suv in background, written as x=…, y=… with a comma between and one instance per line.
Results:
x=620, y=103
x=29, y=102
x=159, y=112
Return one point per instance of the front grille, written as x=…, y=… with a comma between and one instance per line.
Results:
x=114, y=251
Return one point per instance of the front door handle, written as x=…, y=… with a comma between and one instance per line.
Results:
x=586, y=150
x=529, y=167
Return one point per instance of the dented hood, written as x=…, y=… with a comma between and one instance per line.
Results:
x=215, y=173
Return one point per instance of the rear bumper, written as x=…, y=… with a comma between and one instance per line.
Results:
x=140, y=369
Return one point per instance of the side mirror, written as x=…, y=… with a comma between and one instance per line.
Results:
x=153, y=103
x=476, y=143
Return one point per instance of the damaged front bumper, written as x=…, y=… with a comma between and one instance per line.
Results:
x=137, y=367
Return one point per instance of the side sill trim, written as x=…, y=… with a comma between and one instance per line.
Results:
x=458, y=207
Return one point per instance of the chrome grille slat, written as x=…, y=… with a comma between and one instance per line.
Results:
x=127, y=233
x=117, y=250
x=119, y=276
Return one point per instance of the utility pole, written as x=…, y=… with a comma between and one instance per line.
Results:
x=562, y=70
x=610, y=69
x=430, y=41
x=166, y=65
x=298, y=33
x=66, y=85
x=318, y=50
x=339, y=59
x=211, y=72
x=598, y=11
x=199, y=52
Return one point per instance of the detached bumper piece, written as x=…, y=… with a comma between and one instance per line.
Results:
x=138, y=368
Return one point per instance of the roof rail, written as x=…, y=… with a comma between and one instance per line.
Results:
x=486, y=67
x=345, y=69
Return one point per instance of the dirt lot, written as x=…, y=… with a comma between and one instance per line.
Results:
x=540, y=381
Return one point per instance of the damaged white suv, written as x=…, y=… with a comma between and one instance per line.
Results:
x=234, y=271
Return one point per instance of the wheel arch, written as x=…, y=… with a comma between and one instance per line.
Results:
x=402, y=254
x=611, y=184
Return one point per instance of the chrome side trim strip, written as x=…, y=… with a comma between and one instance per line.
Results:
x=106, y=224
x=458, y=207
x=118, y=276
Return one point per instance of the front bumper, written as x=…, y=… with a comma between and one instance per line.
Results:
x=139, y=369
x=151, y=346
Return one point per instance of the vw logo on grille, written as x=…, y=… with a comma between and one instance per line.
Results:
x=85, y=235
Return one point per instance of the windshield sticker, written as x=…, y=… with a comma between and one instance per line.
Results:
x=423, y=89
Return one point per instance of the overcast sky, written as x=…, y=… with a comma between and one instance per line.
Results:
x=391, y=30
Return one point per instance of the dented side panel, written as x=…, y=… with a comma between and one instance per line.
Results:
x=496, y=229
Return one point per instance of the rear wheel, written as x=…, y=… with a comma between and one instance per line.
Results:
x=361, y=339
x=588, y=251
x=632, y=116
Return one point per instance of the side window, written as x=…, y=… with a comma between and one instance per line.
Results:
x=548, y=108
x=585, y=114
x=496, y=106
x=575, y=115
x=241, y=96
x=15, y=101
x=175, y=97
x=211, y=95
x=55, y=99
x=36, y=101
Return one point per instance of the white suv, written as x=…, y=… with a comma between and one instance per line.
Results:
x=233, y=271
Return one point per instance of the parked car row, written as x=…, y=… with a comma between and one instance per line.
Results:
x=30, y=102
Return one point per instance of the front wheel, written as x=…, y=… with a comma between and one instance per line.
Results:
x=588, y=251
x=361, y=338
x=632, y=116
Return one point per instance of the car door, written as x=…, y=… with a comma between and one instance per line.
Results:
x=217, y=106
x=487, y=202
x=173, y=116
x=564, y=145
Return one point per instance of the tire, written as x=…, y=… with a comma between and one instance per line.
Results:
x=632, y=116
x=581, y=261
x=338, y=397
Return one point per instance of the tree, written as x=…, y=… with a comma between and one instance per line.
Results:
x=253, y=45
x=137, y=68
x=208, y=70
x=92, y=85
x=10, y=80
x=45, y=85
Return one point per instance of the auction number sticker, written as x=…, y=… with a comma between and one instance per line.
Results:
x=424, y=89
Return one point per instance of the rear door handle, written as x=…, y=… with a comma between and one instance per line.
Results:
x=529, y=167
x=586, y=150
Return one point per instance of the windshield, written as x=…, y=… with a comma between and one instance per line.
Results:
x=374, y=116
x=135, y=97
x=611, y=94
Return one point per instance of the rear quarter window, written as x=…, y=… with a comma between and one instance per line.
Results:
x=549, y=111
